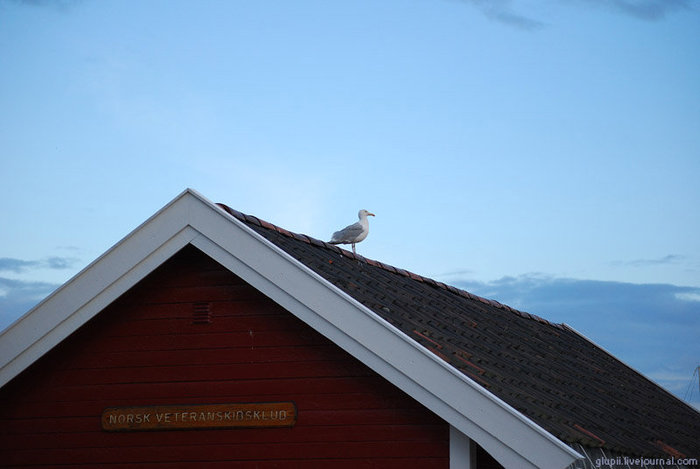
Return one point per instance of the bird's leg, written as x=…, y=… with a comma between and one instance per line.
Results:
x=353, y=248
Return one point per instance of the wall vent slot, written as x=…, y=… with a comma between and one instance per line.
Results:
x=201, y=313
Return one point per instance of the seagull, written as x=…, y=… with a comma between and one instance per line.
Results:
x=353, y=233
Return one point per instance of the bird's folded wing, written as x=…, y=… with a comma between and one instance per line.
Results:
x=347, y=234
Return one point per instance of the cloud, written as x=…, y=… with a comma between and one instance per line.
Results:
x=9, y=264
x=688, y=296
x=651, y=327
x=649, y=10
x=669, y=259
x=60, y=263
x=456, y=273
x=18, y=296
x=58, y=4
x=573, y=298
x=502, y=12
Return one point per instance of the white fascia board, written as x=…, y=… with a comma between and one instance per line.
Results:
x=511, y=438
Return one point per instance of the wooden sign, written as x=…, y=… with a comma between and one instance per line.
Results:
x=206, y=416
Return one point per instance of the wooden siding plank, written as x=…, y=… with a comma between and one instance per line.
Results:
x=250, y=451
x=323, y=402
x=317, y=434
x=219, y=389
x=245, y=354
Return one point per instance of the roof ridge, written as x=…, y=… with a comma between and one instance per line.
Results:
x=251, y=219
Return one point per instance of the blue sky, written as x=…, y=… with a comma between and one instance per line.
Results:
x=542, y=153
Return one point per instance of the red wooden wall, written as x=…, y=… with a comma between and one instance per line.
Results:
x=151, y=348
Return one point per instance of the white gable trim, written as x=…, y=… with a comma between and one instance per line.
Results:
x=511, y=438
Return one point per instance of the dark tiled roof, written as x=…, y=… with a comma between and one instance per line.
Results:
x=573, y=389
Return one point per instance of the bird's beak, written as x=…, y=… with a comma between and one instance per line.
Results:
x=370, y=214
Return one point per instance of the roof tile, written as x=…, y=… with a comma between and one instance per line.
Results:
x=315, y=242
x=253, y=220
x=267, y=225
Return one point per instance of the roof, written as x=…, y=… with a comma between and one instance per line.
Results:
x=571, y=387
x=518, y=385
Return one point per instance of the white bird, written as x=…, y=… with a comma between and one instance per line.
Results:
x=353, y=233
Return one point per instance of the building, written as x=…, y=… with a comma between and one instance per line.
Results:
x=209, y=338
